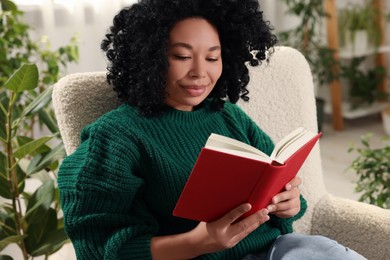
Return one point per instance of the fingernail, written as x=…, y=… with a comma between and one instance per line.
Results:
x=275, y=200
x=271, y=208
x=288, y=186
x=264, y=212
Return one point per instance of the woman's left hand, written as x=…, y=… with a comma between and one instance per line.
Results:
x=287, y=203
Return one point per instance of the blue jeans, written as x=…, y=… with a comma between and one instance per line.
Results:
x=297, y=246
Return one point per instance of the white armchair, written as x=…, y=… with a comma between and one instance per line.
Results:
x=281, y=99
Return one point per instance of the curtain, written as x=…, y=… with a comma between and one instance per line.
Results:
x=58, y=21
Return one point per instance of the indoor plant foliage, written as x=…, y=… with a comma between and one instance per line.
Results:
x=373, y=168
x=363, y=84
x=29, y=219
x=308, y=38
x=359, y=18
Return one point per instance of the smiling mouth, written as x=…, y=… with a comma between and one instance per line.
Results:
x=195, y=91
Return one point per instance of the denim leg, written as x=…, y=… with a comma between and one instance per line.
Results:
x=297, y=247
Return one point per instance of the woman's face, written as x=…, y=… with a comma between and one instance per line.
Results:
x=195, y=63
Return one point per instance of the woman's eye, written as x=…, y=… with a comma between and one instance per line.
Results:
x=212, y=59
x=181, y=57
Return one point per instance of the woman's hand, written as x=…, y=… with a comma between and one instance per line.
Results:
x=287, y=203
x=225, y=232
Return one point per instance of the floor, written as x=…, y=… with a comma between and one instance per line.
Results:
x=336, y=160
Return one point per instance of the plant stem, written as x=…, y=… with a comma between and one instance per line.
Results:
x=13, y=179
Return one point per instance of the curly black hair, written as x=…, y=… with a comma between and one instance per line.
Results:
x=136, y=47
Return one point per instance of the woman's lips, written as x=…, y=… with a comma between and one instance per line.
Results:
x=195, y=91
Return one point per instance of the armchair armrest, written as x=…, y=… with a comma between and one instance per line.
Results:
x=362, y=227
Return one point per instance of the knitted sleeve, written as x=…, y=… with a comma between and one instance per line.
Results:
x=104, y=214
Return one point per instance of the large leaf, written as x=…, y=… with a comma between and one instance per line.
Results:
x=38, y=230
x=48, y=120
x=23, y=140
x=54, y=240
x=25, y=78
x=55, y=154
x=32, y=146
x=7, y=222
x=10, y=240
x=8, y=5
x=5, y=257
x=5, y=190
x=39, y=102
x=42, y=197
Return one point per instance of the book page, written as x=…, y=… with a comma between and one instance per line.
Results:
x=290, y=144
x=221, y=141
x=244, y=154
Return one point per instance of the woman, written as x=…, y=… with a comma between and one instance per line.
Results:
x=178, y=66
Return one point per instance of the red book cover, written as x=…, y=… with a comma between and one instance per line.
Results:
x=219, y=182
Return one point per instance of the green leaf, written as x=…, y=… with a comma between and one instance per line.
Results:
x=25, y=78
x=56, y=153
x=37, y=230
x=5, y=191
x=39, y=102
x=10, y=240
x=5, y=257
x=7, y=5
x=42, y=197
x=22, y=140
x=48, y=120
x=4, y=184
x=31, y=146
x=54, y=240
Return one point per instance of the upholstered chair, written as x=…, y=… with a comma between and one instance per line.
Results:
x=281, y=99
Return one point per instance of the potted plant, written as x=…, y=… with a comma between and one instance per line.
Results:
x=372, y=165
x=30, y=215
x=363, y=84
x=358, y=29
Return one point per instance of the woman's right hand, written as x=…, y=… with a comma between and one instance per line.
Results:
x=225, y=232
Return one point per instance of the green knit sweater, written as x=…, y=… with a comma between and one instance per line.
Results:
x=119, y=188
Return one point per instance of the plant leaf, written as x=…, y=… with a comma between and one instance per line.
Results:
x=37, y=230
x=31, y=146
x=22, y=140
x=45, y=117
x=56, y=153
x=7, y=5
x=24, y=78
x=10, y=240
x=5, y=257
x=54, y=240
x=39, y=102
x=42, y=197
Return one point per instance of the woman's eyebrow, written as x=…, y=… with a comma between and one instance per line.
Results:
x=188, y=46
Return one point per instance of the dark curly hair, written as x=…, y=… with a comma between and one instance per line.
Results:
x=136, y=47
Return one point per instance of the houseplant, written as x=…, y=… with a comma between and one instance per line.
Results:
x=363, y=84
x=359, y=21
x=372, y=165
x=29, y=201
x=308, y=38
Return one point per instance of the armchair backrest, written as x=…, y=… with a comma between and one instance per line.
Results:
x=281, y=99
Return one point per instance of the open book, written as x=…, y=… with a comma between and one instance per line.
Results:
x=228, y=173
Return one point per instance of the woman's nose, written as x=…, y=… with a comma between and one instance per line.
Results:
x=198, y=69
